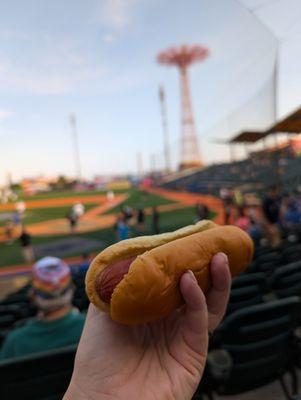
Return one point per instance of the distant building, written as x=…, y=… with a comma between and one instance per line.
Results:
x=30, y=186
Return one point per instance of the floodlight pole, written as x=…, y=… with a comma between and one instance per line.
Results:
x=152, y=160
x=75, y=146
x=140, y=165
x=165, y=129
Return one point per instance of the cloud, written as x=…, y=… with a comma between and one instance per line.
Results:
x=64, y=53
x=116, y=14
x=108, y=38
x=5, y=114
x=50, y=68
x=9, y=34
x=37, y=81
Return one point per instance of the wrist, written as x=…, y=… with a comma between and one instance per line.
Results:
x=78, y=392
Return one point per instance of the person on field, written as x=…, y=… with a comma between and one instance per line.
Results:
x=27, y=250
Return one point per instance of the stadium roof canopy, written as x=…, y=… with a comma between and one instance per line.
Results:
x=290, y=124
x=248, y=137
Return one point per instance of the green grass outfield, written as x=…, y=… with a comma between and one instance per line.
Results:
x=68, y=193
x=169, y=221
x=45, y=214
x=138, y=198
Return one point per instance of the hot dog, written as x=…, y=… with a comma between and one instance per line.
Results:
x=137, y=280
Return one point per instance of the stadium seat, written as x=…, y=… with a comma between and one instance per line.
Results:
x=268, y=262
x=39, y=377
x=252, y=268
x=286, y=280
x=81, y=303
x=261, y=250
x=21, y=296
x=17, y=311
x=10, y=314
x=6, y=321
x=291, y=253
x=257, y=345
x=80, y=299
x=247, y=290
x=271, y=256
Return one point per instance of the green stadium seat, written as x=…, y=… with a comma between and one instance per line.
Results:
x=259, y=341
x=291, y=254
x=286, y=280
x=7, y=321
x=43, y=376
x=247, y=290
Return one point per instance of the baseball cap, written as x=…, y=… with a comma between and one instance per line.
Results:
x=51, y=277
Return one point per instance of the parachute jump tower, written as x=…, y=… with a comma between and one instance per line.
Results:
x=182, y=57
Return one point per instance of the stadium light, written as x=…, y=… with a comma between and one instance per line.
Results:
x=75, y=146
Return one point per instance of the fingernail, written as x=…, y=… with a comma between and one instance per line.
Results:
x=192, y=276
x=223, y=257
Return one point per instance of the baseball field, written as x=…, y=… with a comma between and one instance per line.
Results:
x=45, y=219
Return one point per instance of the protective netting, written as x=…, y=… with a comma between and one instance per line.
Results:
x=256, y=96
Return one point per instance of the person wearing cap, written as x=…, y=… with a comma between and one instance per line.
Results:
x=58, y=323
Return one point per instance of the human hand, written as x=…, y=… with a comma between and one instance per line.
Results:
x=164, y=359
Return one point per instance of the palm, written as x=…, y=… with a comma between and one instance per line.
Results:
x=164, y=359
x=142, y=356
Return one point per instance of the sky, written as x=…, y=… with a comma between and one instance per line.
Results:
x=97, y=59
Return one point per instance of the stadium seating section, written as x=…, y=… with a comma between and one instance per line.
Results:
x=259, y=340
x=40, y=377
x=250, y=175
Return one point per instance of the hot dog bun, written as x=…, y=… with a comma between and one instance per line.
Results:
x=133, y=247
x=150, y=289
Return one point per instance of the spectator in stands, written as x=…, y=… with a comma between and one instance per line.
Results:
x=255, y=231
x=27, y=250
x=242, y=220
x=161, y=360
x=57, y=324
x=292, y=215
x=127, y=213
x=83, y=266
x=271, y=205
x=122, y=228
x=156, y=220
x=271, y=209
x=202, y=212
x=297, y=194
x=227, y=211
x=238, y=198
x=224, y=194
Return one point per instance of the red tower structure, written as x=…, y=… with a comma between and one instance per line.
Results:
x=182, y=57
